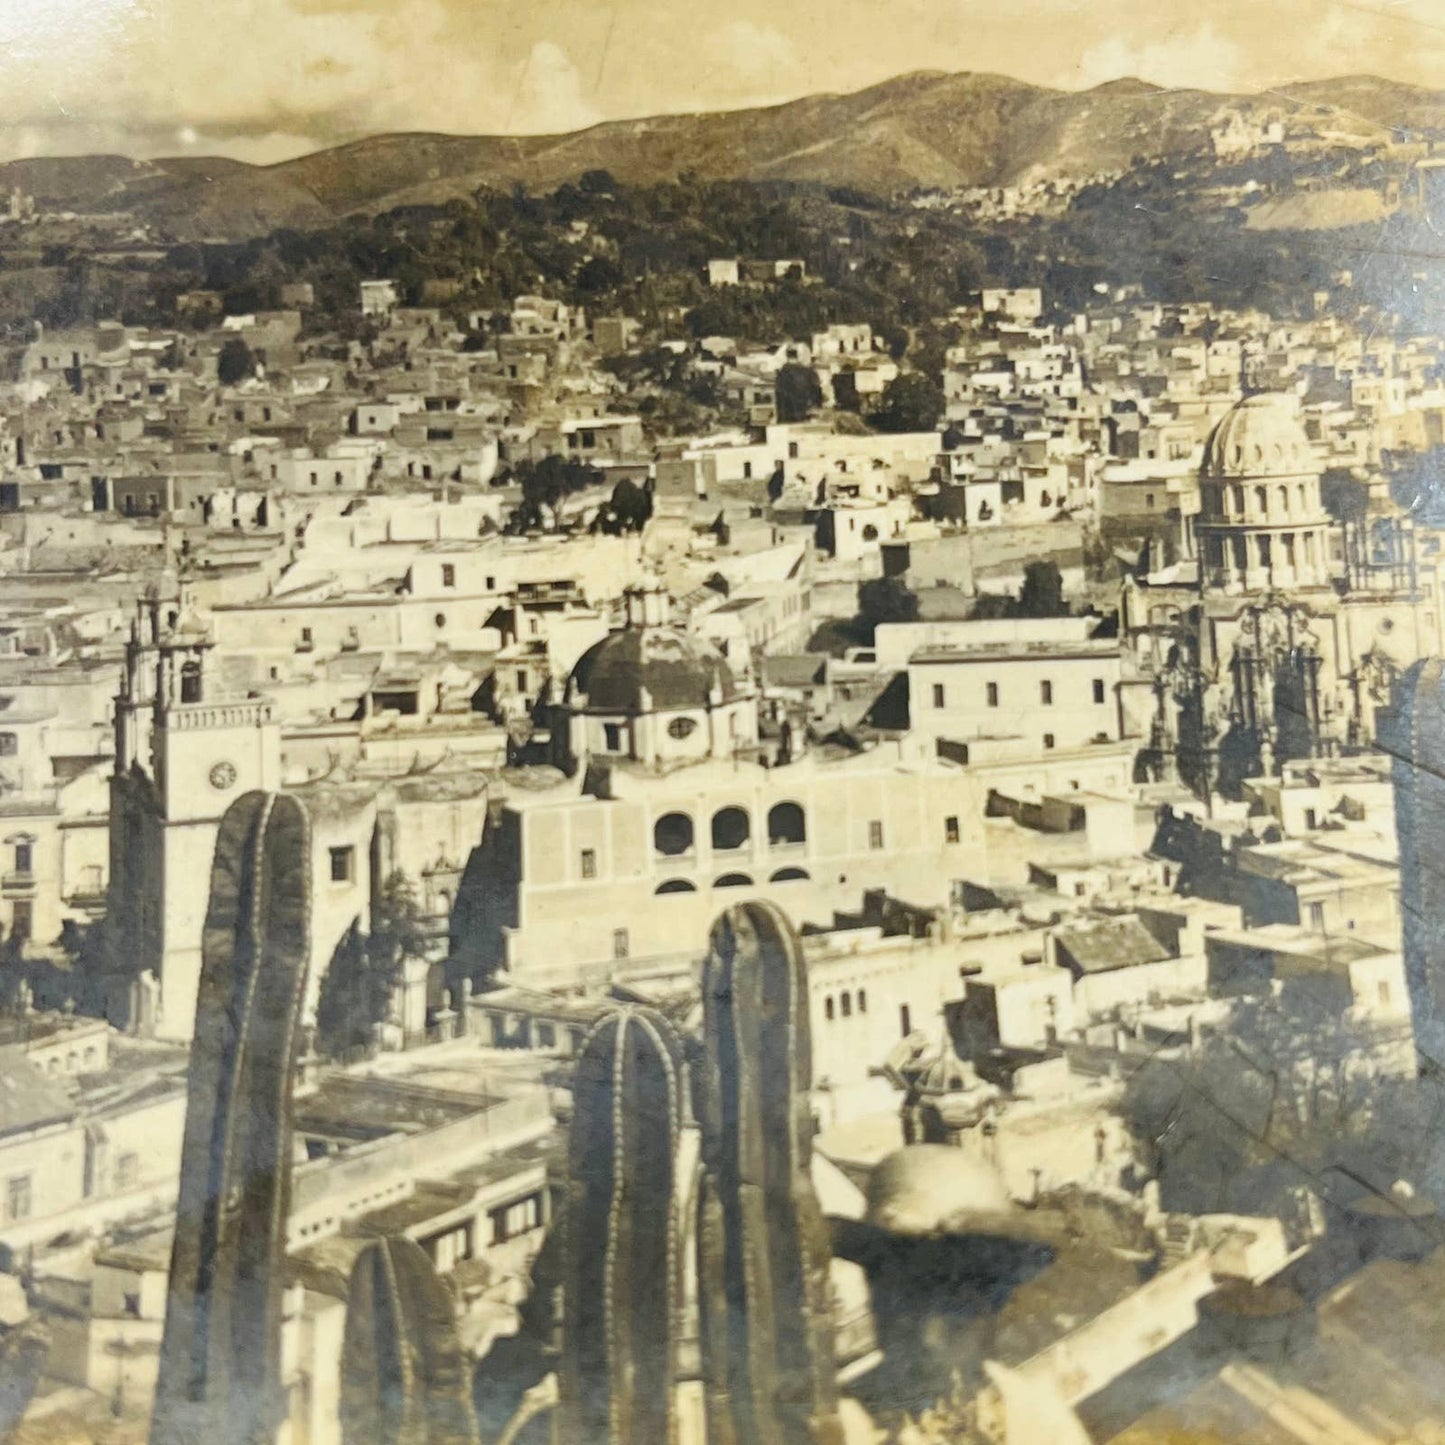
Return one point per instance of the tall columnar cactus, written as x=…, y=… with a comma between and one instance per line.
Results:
x=763, y=1285
x=621, y=1280
x=404, y=1375
x=220, y=1354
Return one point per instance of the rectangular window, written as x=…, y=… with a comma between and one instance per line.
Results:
x=619, y=943
x=127, y=1171
x=18, y=1200
x=1048, y=740
x=306, y=634
x=22, y=919
x=1317, y=917
x=938, y=694
x=589, y=862
x=9, y=744
x=1046, y=693
x=521, y=679
x=514, y=1219
x=449, y=575
x=1311, y=818
x=612, y=733
x=905, y=1021
x=875, y=834
x=1098, y=689
x=950, y=829
x=25, y=857
x=992, y=694
x=343, y=862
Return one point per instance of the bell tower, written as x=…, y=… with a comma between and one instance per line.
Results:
x=185, y=750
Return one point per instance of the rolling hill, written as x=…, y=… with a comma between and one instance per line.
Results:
x=925, y=129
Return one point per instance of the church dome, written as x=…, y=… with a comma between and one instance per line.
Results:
x=1260, y=436
x=934, y=1189
x=645, y=669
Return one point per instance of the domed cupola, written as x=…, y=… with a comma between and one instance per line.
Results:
x=1262, y=524
x=650, y=693
x=1260, y=436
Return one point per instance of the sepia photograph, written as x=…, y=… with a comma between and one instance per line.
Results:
x=722, y=725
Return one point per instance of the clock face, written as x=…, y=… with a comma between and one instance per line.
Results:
x=223, y=776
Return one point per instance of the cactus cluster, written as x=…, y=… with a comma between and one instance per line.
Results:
x=622, y=1282
x=762, y=1247
x=404, y=1376
x=761, y=1260
x=220, y=1352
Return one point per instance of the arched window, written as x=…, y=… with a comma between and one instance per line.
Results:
x=731, y=829
x=1303, y=497
x=846, y=1004
x=1238, y=499
x=675, y=885
x=734, y=880
x=828, y=1008
x=1261, y=500
x=1283, y=498
x=672, y=834
x=789, y=875
x=190, y=682
x=786, y=824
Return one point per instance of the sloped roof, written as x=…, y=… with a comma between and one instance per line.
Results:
x=1104, y=944
x=28, y=1099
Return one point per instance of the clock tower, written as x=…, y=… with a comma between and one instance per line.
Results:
x=184, y=751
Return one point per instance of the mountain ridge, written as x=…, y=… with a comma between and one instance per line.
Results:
x=920, y=129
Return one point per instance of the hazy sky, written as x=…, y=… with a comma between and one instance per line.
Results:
x=267, y=79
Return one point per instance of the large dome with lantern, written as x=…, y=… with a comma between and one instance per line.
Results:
x=1260, y=436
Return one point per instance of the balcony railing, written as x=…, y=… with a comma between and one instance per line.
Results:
x=198, y=716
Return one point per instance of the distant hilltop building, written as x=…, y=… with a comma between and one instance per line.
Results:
x=19, y=206
x=1237, y=136
x=734, y=272
x=379, y=298
x=1021, y=304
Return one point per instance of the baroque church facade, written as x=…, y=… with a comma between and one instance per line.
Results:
x=1303, y=617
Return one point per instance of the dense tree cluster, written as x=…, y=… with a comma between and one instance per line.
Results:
x=885, y=599
x=360, y=982
x=546, y=484
x=644, y=249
